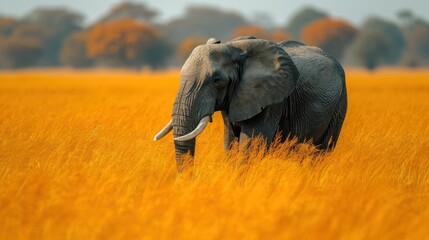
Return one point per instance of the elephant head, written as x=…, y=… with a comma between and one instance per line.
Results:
x=240, y=77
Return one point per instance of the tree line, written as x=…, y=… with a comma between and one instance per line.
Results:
x=129, y=35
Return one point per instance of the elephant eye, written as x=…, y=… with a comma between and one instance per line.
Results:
x=217, y=80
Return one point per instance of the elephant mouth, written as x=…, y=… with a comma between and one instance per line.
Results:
x=197, y=131
x=193, y=134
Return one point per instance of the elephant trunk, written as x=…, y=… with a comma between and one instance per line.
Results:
x=184, y=149
x=192, y=111
x=184, y=120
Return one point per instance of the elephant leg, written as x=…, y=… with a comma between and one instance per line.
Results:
x=231, y=132
x=330, y=137
x=264, y=125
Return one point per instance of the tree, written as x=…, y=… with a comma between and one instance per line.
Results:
x=416, y=32
x=303, y=18
x=53, y=24
x=417, y=52
x=58, y=19
x=22, y=47
x=121, y=43
x=279, y=35
x=188, y=45
x=19, y=52
x=372, y=48
x=158, y=53
x=204, y=22
x=131, y=10
x=332, y=35
x=378, y=42
x=263, y=19
x=7, y=26
x=74, y=50
x=20, y=43
x=29, y=30
x=408, y=21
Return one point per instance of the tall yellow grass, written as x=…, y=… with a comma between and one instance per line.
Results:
x=77, y=161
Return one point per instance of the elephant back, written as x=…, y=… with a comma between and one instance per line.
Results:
x=321, y=76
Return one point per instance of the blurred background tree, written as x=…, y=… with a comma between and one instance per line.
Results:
x=371, y=48
x=278, y=35
x=54, y=25
x=131, y=10
x=263, y=19
x=417, y=52
x=19, y=52
x=121, y=43
x=159, y=54
x=205, y=22
x=74, y=50
x=416, y=32
x=7, y=26
x=379, y=42
x=187, y=46
x=29, y=30
x=20, y=43
x=302, y=18
x=408, y=21
x=332, y=35
x=130, y=34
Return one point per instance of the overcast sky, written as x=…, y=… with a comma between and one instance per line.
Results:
x=280, y=10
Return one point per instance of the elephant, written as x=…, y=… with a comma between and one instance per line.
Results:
x=262, y=89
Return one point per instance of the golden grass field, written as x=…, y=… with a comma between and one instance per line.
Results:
x=77, y=161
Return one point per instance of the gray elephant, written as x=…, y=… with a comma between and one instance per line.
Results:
x=262, y=89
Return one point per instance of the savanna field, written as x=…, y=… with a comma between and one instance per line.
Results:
x=77, y=161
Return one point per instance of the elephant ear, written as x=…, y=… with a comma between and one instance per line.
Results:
x=213, y=41
x=241, y=38
x=268, y=76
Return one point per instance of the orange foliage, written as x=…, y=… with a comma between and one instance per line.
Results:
x=7, y=25
x=333, y=35
x=74, y=50
x=259, y=32
x=19, y=52
x=122, y=40
x=33, y=31
x=188, y=45
x=279, y=35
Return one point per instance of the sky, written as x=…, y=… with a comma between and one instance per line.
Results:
x=280, y=10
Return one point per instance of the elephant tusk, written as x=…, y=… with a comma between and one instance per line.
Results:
x=197, y=130
x=164, y=131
